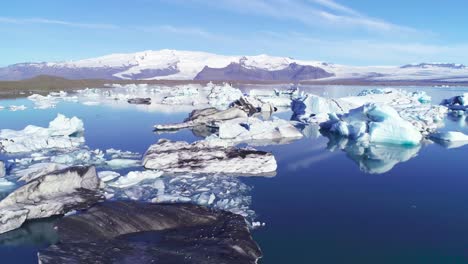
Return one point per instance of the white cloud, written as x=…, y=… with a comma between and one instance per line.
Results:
x=33, y=21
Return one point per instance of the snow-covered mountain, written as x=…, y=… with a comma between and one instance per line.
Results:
x=190, y=65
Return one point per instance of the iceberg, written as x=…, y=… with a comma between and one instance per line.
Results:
x=413, y=107
x=205, y=157
x=62, y=133
x=204, y=117
x=252, y=129
x=55, y=193
x=375, y=123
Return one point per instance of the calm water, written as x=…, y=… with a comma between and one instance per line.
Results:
x=325, y=205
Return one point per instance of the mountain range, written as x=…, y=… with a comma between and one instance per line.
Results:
x=191, y=65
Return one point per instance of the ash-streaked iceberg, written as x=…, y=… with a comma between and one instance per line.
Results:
x=55, y=193
x=205, y=157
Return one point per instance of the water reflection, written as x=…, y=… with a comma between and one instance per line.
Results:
x=373, y=159
x=35, y=233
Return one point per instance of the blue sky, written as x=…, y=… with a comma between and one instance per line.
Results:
x=360, y=32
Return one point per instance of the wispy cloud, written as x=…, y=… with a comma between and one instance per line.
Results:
x=310, y=13
x=179, y=30
x=32, y=21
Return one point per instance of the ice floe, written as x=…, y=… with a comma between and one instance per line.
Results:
x=206, y=157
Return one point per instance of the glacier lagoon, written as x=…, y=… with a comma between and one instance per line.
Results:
x=327, y=203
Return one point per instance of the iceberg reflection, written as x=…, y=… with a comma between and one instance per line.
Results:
x=373, y=158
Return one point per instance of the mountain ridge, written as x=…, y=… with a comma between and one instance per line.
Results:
x=169, y=64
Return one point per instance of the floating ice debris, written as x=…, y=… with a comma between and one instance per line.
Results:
x=49, y=101
x=188, y=234
x=52, y=194
x=107, y=176
x=51, y=160
x=206, y=157
x=218, y=191
x=372, y=158
x=134, y=178
x=5, y=184
x=14, y=108
x=62, y=133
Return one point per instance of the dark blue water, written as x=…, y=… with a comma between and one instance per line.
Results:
x=322, y=207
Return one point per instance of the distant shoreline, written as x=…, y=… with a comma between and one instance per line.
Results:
x=46, y=84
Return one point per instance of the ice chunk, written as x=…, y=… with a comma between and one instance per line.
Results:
x=134, y=178
x=123, y=163
x=107, y=176
x=2, y=169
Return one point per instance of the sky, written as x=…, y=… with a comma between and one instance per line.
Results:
x=356, y=32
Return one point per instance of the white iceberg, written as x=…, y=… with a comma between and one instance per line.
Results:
x=62, y=133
